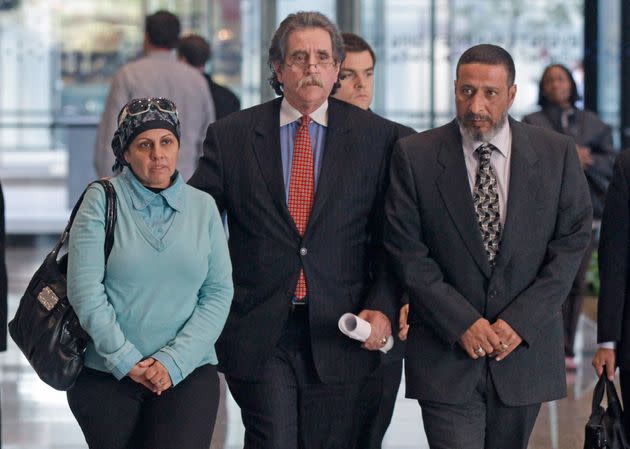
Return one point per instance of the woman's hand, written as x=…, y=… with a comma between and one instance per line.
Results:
x=158, y=377
x=137, y=372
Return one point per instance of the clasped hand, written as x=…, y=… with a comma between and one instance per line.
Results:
x=152, y=374
x=496, y=340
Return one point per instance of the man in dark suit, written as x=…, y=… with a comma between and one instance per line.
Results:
x=195, y=50
x=486, y=223
x=302, y=179
x=613, y=309
x=378, y=396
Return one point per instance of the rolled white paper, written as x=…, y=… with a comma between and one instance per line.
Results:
x=359, y=329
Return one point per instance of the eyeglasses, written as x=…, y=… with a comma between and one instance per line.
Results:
x=301, y=61
x=139, y=106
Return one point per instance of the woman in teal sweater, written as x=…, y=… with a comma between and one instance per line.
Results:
x=155, y=310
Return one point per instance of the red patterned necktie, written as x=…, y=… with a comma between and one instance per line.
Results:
x=301, y=188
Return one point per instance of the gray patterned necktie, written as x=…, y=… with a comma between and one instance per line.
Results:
x=486, y=201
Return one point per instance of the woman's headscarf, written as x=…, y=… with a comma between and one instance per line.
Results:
x=131, y=125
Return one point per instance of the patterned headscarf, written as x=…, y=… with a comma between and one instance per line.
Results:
x=133, y=125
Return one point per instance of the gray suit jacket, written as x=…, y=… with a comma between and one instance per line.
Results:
x=589, y=131
x=432, y=236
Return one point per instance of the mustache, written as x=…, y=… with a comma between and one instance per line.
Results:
x=470, y=116
x=310, y=80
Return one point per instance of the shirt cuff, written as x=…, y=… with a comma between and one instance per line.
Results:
x=607, y=345
x=122, y=368
x=173, y=370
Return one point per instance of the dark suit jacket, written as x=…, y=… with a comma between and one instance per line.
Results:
x=588, y=131
x=613, y=308
x=397, y=353
x=433, y=238
x=241, y=168
x=225, y=101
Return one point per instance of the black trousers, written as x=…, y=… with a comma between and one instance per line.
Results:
x=288, y=407
x=376, y=404
x=572, y=306
x=483, y=422
x=125, y=415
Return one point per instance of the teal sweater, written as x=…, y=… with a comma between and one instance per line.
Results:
x=167, y=287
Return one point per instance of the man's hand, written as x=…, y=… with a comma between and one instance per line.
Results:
x=508, y=339
x=137, y=372
x=605, y=357
x=584, y=154
x=480, y=339
x=403, y=327
x=158, y=376
x=381, y=329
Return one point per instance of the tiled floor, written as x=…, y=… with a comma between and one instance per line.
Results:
x=35, y=416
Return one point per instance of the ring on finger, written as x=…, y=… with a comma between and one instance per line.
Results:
x=480, y=351
x=504, y=346
x=383, y=340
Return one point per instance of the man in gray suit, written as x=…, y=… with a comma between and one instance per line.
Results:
x=486, y=222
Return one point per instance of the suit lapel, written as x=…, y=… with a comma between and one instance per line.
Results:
x=455, y=191
x=267, y=150
x=522, y=193
x=333, y=163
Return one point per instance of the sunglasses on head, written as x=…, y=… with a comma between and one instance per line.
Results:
x=142, y=105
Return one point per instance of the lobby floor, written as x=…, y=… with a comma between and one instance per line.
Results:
x=34, y=416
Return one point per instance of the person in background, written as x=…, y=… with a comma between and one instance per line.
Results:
x=613, y=307
x=378, y=396
x=195, y=50
x=155, y=310
x=486, y=267
x=158, y=74
x=302, y=179
x=594, y=144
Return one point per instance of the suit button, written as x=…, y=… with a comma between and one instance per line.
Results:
x=303, y=251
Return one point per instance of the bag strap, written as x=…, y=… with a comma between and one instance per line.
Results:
x=110, y=217
x=607, y=386
x=611, y=395
x=598, y=392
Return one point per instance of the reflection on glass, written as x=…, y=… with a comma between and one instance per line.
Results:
x=417, y=45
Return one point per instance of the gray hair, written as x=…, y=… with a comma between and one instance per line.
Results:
x=299, y=21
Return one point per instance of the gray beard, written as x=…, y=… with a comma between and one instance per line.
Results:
x=478, y=136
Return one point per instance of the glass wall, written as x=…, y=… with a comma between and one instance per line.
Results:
x=57, y=58
x=609, y=64
x=418, y=44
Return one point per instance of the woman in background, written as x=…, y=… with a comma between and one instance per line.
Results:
x=156, y=309
x=557, y=97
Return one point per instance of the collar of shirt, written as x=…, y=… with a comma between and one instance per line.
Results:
x=141, y=197
x=162, y=54
x=502, y=140
x=288, y=114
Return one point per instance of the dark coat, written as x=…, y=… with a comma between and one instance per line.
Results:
x=589, y=131
x=433, y=238
x=613, y=308
x=225, y=101
x=341, y=251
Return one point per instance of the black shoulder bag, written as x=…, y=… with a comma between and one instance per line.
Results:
x=45, y=327
x=604, y=429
